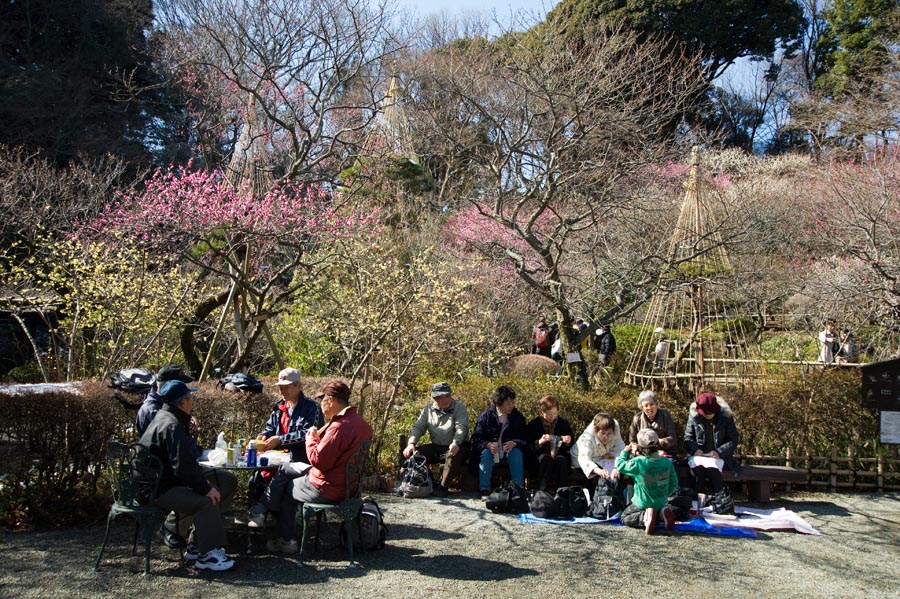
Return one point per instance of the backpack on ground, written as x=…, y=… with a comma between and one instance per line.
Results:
x=133, y=380
x=543, y=505
x=240, y=381
x=415, y=477
x=371, y=527
x=721, y=502
x=571, y=502
x=508, y=499
x=607, y=500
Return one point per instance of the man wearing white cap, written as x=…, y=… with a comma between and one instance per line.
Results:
x=291, y=418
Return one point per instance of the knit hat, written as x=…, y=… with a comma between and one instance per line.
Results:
x=439, y=389
x=708, y=405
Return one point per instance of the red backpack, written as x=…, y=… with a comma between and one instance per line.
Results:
x=542, y=336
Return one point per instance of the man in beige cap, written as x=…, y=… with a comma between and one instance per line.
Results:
x=446, y=421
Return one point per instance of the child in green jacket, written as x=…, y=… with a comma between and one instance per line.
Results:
x=654, y=480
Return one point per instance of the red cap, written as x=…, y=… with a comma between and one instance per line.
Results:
x=707, y=404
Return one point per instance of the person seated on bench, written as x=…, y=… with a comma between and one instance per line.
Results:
x=653, y=417
x=597, y=449
x=446, y=421
x=710, y=432
x=499, y=437
x=328, y=450
x=654, y=480
x=550, y=440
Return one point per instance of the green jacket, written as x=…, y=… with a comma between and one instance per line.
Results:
x=654, y=478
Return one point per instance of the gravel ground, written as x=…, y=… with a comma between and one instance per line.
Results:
x=455, y=548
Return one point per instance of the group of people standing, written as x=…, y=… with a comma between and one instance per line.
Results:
x=836, y=348
x=548, y=447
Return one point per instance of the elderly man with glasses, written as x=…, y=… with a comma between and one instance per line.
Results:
x=446, y=421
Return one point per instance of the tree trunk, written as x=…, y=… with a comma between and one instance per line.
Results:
x=192, y=360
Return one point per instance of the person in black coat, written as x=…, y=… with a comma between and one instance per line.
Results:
x=549, y=441
x=710, y=432
x=499, y=437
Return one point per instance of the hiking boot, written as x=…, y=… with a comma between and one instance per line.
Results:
x=215, y=560
x=191, y=552
x=668, y=518
x=171, y=538
x=279, y=545
x=650, y=516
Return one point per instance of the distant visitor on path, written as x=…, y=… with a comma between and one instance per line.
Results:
x=542, y=338
x=846, y=352
x=828, y=341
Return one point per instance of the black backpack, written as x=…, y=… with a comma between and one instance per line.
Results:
x=508, y=499
x=721, y=502
x=607, y=500
x=133, y=380
x=241, y=381
x=571, y=502
x=543, y=505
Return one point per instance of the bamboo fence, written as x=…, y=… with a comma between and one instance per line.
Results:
x=836, y=471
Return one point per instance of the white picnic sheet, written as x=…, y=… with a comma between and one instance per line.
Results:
x=759, y=519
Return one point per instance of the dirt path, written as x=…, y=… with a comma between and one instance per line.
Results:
x=454, y=548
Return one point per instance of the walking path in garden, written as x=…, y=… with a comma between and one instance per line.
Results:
x=454, y=548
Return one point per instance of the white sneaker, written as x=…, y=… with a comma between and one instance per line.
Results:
x=214, y=559
x=279, y=545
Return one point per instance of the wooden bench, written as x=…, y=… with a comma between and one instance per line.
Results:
x=759, y=479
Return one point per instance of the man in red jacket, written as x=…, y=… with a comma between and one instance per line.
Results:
x=328, y=450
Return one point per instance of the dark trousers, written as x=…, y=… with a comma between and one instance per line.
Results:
x=209, y=530
x=709, y=480
x=453, y=464
x=633, y=516
x=553, y=471
x=293, y=493
x=180, y=520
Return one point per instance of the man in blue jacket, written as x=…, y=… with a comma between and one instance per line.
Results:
x=291, y=418
x=183, y=486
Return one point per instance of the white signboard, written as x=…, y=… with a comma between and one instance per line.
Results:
x=890, y=427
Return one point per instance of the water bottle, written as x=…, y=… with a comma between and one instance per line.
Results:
x=251, y=454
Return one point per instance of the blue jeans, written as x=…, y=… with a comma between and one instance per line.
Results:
x=512, y=457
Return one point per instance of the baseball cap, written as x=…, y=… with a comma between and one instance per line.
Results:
x=288, y=376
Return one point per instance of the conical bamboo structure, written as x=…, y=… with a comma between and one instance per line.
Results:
x=690, y=335
x=392, y=126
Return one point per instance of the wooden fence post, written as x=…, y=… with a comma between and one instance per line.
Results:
x=808, y=469
x=787, y=462
x=851, y=452
x=880, y=478
x=833, y=468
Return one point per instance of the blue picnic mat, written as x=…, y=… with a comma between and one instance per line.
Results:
x=531, y=519
x=697, y=525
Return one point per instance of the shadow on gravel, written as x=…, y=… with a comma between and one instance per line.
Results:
x=414, y=531
x=464, y=567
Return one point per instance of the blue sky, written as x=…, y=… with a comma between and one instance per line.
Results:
x=503, y=8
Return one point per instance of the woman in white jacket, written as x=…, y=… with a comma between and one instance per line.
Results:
x=598, y=447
